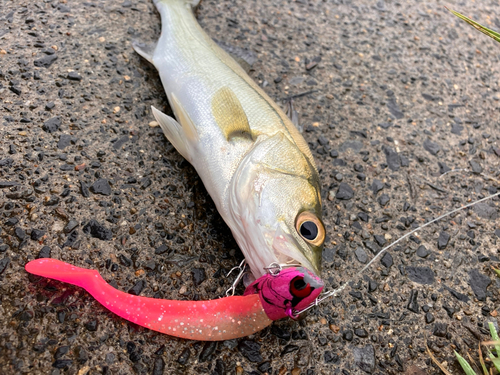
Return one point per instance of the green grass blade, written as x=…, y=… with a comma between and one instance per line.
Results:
x=481, y=359
x=496, y=363
x=494, y=360
x=465, y=365
x=491, y=33
x=494, y=336
x=497, y=271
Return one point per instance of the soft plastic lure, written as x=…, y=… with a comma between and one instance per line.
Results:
x=268, y=298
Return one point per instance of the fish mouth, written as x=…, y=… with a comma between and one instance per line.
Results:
x=289, y=252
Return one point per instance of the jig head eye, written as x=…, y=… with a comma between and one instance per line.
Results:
x=299, y=288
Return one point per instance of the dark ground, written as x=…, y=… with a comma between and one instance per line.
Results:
x=403, y=93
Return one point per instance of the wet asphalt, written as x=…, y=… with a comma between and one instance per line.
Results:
x=400, y=106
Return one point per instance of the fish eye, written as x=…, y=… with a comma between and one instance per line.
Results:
x=310, y=228
x=299, y=288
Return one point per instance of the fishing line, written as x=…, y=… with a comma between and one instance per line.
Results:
x=337, y=291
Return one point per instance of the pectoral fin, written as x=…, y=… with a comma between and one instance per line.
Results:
x=229, y=114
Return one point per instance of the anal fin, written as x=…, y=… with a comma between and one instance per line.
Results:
x=229, y=114
x=173, y=131
x=188, y=126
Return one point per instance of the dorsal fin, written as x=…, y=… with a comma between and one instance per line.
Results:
x=293, y=115
x=229, y=114
x=245, y=57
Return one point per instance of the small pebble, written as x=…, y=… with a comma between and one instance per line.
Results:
x=344, y=192
x=137, y=288
x=443, y=240
x=101, y=186
x=184, y=356
x=250, y=350
x=422, y=252
x=97, y=230
x=364, y=358
x=74, y=76
x=44, y=252
x=386, y=260
x=198, y=275
x=420, y=275
x=361, y=255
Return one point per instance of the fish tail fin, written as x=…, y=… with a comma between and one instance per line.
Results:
x=146, y=50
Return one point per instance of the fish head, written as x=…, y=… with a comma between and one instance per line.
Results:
x=289, y=290
x=299, y=232
x=288, y=218
x=278, y=209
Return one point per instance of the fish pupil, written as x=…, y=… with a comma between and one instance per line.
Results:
x=309, y=230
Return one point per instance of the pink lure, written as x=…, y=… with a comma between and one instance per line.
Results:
x=219, y=319
x=292, y=290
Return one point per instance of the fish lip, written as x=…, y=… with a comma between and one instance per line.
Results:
x=292, y=241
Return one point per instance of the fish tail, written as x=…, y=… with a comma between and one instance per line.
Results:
x=168, y=9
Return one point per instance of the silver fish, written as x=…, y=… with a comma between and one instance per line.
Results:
x=254, y=163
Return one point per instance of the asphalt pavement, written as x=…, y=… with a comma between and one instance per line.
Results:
x=399, y=102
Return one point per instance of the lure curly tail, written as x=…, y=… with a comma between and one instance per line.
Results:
x=214, y=320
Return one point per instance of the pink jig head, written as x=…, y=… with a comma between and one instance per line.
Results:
x=290, y=290
x=219, y=319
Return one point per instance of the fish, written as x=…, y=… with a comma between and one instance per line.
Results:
x=257, y=168
x=253, y=161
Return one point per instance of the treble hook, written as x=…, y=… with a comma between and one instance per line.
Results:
x=242, y=267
